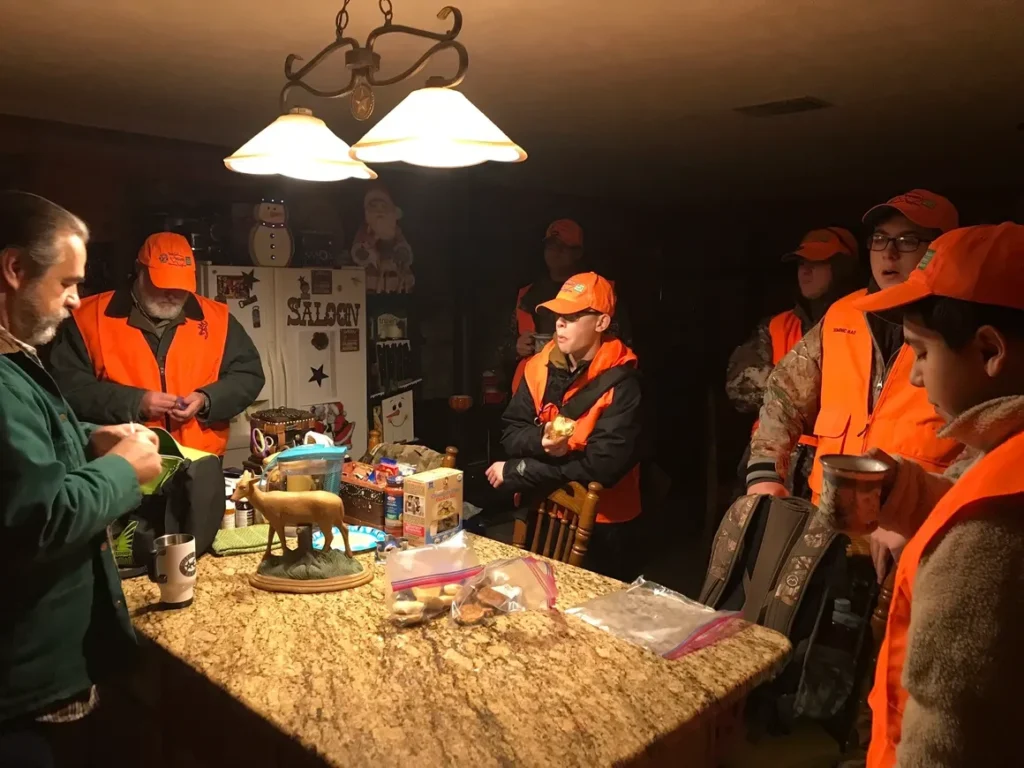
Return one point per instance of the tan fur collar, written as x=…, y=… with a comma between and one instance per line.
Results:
x=989, y=424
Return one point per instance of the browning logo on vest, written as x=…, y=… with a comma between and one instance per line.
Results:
x=121, y=354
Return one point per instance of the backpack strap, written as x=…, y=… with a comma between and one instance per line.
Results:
x=785, y=523
x=805, y=556
x=727, y=550
x=587, y=395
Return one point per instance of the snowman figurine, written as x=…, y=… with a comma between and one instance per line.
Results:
x=270, y=242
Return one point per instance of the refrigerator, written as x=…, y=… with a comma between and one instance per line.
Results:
x=309, y=326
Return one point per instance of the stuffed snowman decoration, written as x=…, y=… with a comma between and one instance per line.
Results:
x=270, y=242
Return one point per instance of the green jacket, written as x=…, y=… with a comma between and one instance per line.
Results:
x=63, y=621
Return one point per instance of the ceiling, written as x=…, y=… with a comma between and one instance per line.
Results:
x=638, y=94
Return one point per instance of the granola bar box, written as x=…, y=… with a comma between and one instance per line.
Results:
x=433, y=505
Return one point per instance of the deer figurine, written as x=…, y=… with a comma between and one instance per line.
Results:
x=281, y=508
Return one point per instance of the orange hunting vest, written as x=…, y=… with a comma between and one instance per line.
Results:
x=526, y=324
x=903, y=422
x=621, y=502
x=996, y=474
x=121, y=354
x=785, y=330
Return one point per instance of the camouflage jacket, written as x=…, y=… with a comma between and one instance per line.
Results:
x=793, y=396
x=750, y=365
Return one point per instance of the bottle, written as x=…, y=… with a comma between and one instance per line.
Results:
x=243, y=514
x=394, y=507
x=228, y=521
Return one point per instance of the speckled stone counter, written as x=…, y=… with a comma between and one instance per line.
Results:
x=332, y=673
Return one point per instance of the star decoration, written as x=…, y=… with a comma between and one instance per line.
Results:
x=249, y=278
x=318, y=375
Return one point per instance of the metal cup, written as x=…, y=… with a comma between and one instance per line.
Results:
x=851, y=492
x=540, y=340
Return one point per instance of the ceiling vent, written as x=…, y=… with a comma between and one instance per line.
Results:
x=784, y=107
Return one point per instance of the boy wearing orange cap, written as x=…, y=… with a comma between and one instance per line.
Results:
x=157, y=353
x=846, y=382
x=950, y=673
x=827, y=269
x=590, y=378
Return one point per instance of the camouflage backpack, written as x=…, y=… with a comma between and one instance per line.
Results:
x=775, y=562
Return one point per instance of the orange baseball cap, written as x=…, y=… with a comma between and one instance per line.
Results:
x=823, y=244
x=983, y=264
x=582, y=292
x=565, y=231
x=170, y=260
x=924, y=208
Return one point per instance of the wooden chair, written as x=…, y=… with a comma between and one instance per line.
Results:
x=571, y=510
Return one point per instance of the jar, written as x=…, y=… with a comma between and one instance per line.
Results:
x=243, y=514
x=228, y=521
x=394, y=506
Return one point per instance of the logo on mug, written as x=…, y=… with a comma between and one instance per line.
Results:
x=187, y=566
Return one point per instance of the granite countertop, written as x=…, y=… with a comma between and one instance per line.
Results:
x=531, y=689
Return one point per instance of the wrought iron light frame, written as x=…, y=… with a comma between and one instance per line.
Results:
x=364, y=63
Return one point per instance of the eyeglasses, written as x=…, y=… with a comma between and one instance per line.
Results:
x=879, y=241
x=578, y=315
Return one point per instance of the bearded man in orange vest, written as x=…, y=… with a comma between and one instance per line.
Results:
x=532, y=325
x=847, y=381
x=580, y=362
x=950, y=674
x=158, y=353
x=827, y=270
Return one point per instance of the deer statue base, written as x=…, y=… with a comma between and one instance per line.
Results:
x=303, y=569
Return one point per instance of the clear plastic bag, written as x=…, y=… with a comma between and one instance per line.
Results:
x=506, y=586
x=659, y=619
x=425, y=580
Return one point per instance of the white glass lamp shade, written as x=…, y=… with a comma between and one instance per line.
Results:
x=300, y=146
x=436, y=128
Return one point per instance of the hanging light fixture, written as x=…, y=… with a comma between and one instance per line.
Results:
x=300, y=146
x=434, y=126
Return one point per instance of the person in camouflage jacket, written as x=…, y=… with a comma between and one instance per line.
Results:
x=828, y=269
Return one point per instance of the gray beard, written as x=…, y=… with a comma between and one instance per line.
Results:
x=33, y=328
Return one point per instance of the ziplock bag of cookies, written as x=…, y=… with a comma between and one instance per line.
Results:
x=506, y=586
x=422, y=582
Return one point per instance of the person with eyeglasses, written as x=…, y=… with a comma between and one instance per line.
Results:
x=847, y=381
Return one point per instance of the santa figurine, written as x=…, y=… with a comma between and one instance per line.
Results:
x=380, y=246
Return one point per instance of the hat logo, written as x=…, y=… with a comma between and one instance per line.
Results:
x=175, y=259
x=579, y=288
x=929, y=254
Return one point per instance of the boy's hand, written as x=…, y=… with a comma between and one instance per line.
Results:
x=554, y=446
x=496, y=474
x=884, y=543
x=767, y=489
x=890, y=476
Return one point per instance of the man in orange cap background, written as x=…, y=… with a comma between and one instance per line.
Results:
x=847, y=382
x=157, y=353
x=530, y=322
x=590, y=378
x=827, y=270
x=949, y=673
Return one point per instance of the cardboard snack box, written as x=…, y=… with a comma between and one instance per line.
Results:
x=433, y=506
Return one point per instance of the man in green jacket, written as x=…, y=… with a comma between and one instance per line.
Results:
x=64, y=623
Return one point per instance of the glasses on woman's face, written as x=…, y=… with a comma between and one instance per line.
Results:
x=879, y=241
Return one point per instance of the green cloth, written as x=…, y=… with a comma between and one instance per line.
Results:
x=243, y=541
x=64, y=624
